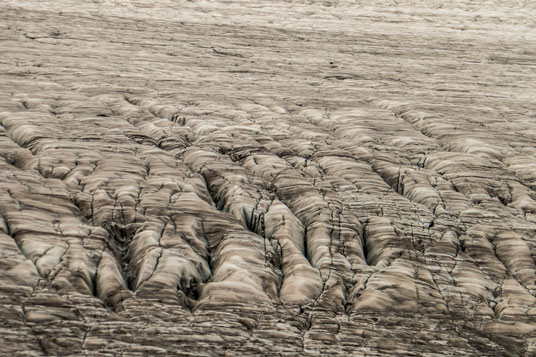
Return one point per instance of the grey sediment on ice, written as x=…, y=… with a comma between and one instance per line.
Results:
x=207, y=178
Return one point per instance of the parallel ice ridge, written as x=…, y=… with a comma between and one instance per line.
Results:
x=195, y=177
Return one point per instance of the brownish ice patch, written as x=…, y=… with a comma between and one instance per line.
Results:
x=267, y=178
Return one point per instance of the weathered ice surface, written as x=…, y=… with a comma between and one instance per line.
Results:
x=267, y=177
